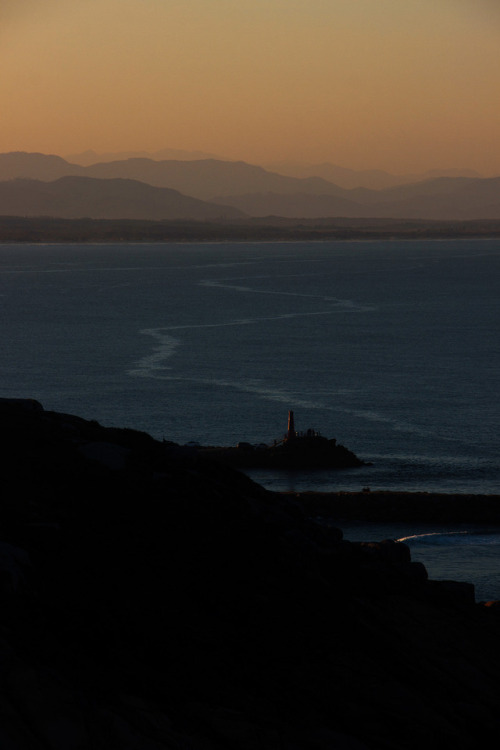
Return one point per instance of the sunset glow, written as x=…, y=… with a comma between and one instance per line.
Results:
x=367, y=84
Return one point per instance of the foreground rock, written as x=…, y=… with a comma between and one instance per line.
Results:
x=151, y=599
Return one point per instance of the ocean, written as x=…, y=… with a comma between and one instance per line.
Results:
x=391, y=347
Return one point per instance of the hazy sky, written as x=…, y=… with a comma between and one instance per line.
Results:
x=401, y=85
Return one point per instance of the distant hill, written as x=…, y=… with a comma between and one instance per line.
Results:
x=78, y=197
x=257, y=192
x=204, y=179
x=374, y=179
x=445, y=198
x=35, y=166
x=208, y=178
x=86, y=158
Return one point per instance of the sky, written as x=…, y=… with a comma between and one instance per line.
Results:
x=399, y=85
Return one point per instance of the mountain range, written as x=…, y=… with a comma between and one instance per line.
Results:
x=456, y=199
x=86, y=158
x=202, y=189
x=114, y=198
x=375, y=179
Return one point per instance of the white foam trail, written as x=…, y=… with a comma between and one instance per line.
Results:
x=261, y=391
x=252, y=321
x=397, y=425
x=154, y=365
x=237, y=322
x=268, y=394
x=344, y=304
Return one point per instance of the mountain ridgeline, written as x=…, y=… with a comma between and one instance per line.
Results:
x=206, y=189
x=114, y=198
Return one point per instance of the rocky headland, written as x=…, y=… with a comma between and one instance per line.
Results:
x=154, y=598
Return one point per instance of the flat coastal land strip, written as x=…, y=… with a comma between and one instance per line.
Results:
x=269, y=229
x=393, y=506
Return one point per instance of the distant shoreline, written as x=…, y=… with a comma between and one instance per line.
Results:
x=34, y=230
x=394, y=506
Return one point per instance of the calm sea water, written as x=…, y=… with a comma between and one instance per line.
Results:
x=391, y=347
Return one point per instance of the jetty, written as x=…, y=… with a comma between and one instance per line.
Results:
x=294, y=451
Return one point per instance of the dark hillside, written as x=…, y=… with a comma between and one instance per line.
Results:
x=78, y=197
x=151, y=599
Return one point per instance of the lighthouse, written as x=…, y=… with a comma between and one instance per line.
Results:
x=291, y=427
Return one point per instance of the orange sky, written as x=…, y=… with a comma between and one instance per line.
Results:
x=401, y=85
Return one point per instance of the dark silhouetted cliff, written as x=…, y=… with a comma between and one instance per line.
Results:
x=150, y=599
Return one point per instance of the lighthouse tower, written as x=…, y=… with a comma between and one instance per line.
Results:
x=291, y=427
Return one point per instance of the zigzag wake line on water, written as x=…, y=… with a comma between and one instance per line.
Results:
x=397, y=425
x=241, y=321
x=345, y=304
x=155, y=367
x=264, y=393
x=150, y=368
x=154, y=363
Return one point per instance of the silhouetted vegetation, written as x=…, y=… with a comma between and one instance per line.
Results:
x=23, y=229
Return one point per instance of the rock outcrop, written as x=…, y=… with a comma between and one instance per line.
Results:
x=154, y=599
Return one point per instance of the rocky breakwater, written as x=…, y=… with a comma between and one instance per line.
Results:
x=154, y=599
x=406, y=507
x=315, y=452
